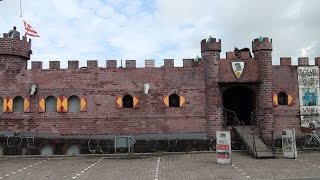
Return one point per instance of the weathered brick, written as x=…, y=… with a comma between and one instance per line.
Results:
x=201, y=83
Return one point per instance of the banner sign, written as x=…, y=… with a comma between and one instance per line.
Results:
x=308, y=79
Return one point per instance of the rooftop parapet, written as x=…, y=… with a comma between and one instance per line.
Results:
x=245, y=55
x=150, y=63
x=285, y=61
x=188, y=62
x=111, y=63
x=130, y=64
x=242, y=55
x=54, y=65
x=73, y=64
x=168, y=63
x=317, y=61
x=15, y=46
x=260, y=44
x=92, y=64
x=303, y=61
x=35, y=65
x=231, y=55
x=211, y=45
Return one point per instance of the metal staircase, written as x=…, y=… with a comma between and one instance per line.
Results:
x=258, y=145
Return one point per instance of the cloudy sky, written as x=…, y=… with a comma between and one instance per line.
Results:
x=159, y=29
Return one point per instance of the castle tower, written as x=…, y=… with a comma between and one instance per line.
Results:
x=14, y=53
x=210, y=52
x=262, y=49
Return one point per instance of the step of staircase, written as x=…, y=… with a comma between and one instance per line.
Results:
x=250, y=137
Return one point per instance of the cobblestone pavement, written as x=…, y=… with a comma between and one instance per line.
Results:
x=192, y=166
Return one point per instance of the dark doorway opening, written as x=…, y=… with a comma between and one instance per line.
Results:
x=241, y=100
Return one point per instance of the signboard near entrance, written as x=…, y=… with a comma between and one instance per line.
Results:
x=223, y=147
x=308, y=79
x=289, y=143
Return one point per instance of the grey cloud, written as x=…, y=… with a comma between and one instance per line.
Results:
x=173, y=30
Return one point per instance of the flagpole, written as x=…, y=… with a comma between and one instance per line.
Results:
x=20, y=9
x=25, y=33
x=28, y=30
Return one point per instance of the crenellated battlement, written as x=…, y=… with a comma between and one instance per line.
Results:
x=260, y=44
x=15, y=46
x=211, y=44
x=285, y=61
x=168, y=63
x=302, y=61
x=243, y=55
x=112, y=64
x=21, y=49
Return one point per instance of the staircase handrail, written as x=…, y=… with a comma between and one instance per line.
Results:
x=254, y=145
x=259, y=128
x=230, y=117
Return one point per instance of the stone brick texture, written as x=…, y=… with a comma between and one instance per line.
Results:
x=201, y=83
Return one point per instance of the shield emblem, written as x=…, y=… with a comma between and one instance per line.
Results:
x=237, y=68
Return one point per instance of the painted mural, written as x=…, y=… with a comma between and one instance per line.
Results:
x=308, y=78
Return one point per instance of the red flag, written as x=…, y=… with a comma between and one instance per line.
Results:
x=29, y=30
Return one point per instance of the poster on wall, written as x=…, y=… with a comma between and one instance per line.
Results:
x=308, y=79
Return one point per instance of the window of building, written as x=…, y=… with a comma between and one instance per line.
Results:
x=282, y=98
x=51, y=104
x=127, y=101
x=74, y=104
x=1, y=105
x=174, y=100
x=18, y=104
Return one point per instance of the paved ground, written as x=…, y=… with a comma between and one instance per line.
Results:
x=165, y=167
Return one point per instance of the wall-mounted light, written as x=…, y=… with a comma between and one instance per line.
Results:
x=33, y=90
x=146, y=88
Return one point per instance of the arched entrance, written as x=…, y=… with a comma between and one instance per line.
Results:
x=241, y=100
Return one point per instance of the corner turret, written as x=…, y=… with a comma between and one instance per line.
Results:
x=210, y=44
x=260, y=44
x=262, y=50
x=14, y=52
x=210, y=52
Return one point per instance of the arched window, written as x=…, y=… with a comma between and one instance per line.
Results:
x=127, y=101
x=74, y=104
x=51, y=104
x=174, y=100
x=18, y=104
x=282, y=98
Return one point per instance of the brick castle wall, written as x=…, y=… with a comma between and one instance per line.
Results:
x=200, y=82
x=101, y=86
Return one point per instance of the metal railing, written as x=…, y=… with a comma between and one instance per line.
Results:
x=230, y=119
x=254, y=147
x=260, y=128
